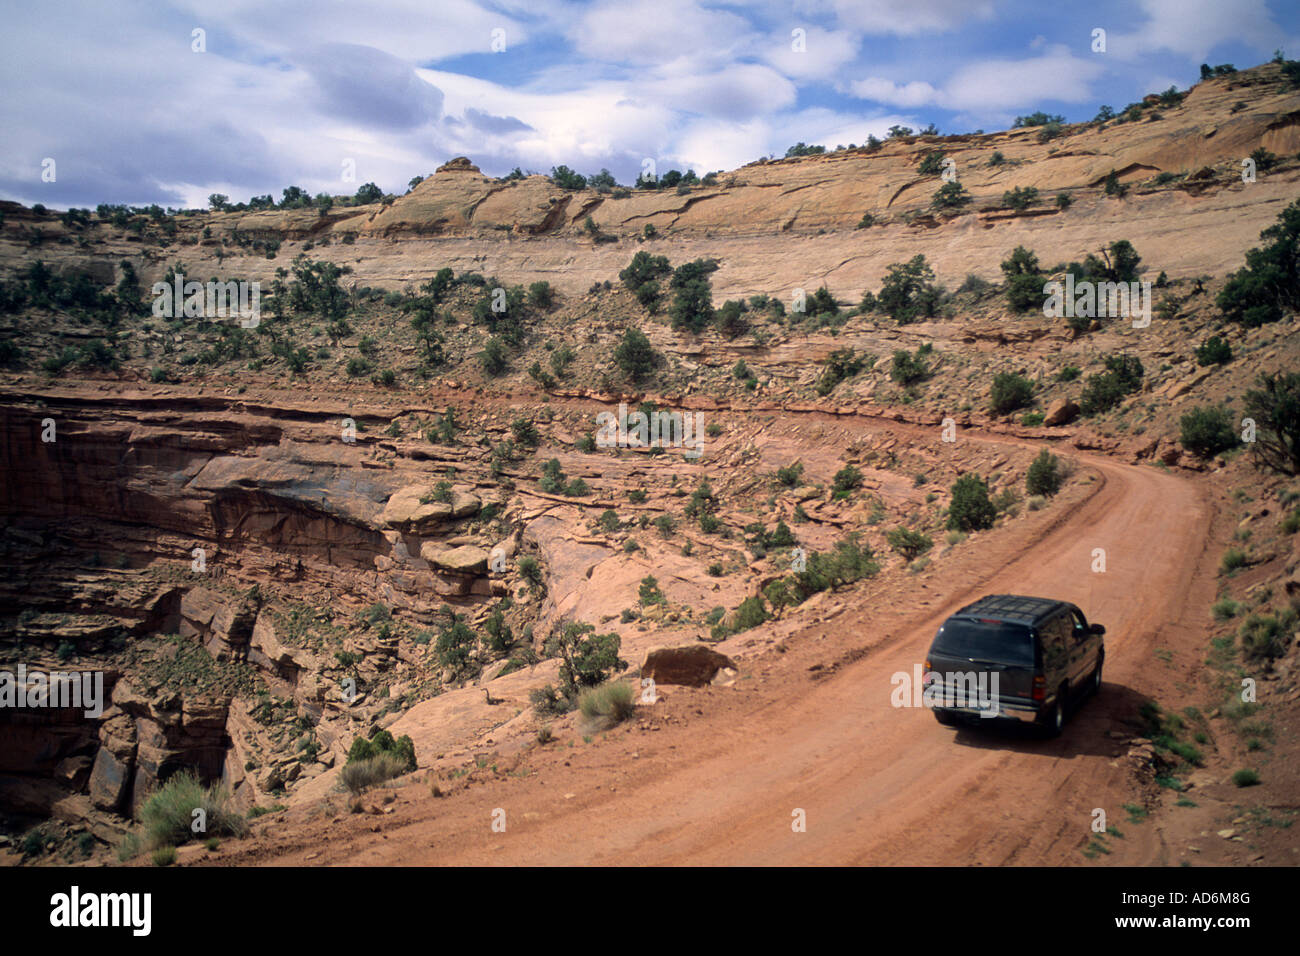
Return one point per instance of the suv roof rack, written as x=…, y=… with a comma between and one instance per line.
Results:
x=1012, y=607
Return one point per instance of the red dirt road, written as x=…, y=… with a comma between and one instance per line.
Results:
x=720, y=778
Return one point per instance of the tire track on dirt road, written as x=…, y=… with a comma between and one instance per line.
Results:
x=879, y=785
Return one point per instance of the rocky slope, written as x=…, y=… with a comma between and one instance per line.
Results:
x=266, y=560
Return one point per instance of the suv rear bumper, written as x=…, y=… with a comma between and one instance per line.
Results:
x=1023, y=713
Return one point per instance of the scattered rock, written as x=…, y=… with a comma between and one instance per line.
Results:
x=691, y=666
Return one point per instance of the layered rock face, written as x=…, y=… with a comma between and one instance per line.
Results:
x=101, y=520
x=142, y=522
x=790, y=223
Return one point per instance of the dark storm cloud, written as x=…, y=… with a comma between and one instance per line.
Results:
x=488, y=123
x=102, y=161
x=369, y=87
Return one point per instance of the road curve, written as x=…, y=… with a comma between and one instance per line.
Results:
x=876, y=784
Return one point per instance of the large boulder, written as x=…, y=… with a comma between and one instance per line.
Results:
x=405, y=511
x=1061, y=413
x=109, y=778
x=467, y=559
x=691, y=666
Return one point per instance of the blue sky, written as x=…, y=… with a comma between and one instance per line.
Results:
x=286, y=92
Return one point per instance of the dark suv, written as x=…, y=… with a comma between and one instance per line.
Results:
x=1024, y=658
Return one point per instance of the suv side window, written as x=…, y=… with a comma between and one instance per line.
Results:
x=1080, y=625
x=1055, y=637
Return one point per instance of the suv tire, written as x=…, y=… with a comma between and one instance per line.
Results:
x=1054, y=719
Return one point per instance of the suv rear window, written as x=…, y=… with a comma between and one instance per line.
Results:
x=986, y=640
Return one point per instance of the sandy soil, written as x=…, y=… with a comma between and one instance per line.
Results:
x=716, y=775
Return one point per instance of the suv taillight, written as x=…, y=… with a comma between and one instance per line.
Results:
x=1040, y=688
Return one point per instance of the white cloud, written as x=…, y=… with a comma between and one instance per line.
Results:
x=898, y=94
x=906, y=17
x=583, y=128
x=1012, y=84
x=825, y=53
x=736, y=93
x=706, y=145
x=991, y=87
x=648, y=32
x=1193, y=28
x=414, y=30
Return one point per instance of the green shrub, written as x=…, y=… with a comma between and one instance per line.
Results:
x=1044, y=476
x=607, y=705
x=1233, y=559
x=168, y=815
x=975, y=285
x=500, y=639
x=847, y=479
x=1214, y=351
x=644, y=269
x=908, y=291
x=634, y=355
x=648, y=592
x=951, y=195
x=550, y=702
x=692, y=307
x=1275, y=407
x=163, y=856
x=540, y=295
x=931, y=164
x=1206, y=431
x=849, y=561
x=1265, y=638
x=1101, y=393
x=587, y=658
x=381, y=743
x=1020, y=198
x=908, y=369
x=749, y=613
x=910, y=544
x=971, y=509
x=1037, y=118
x=1225, y=609
x=790, y=475
x=778, y=594
x=552, y=479
x=1269, y=283
x=1246, y=778
x=495, y=357
x=1024, y=282
x=1104, y=391
x=566, y=178
x=840, y=364
x=358, y=776
x=1010, y=392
